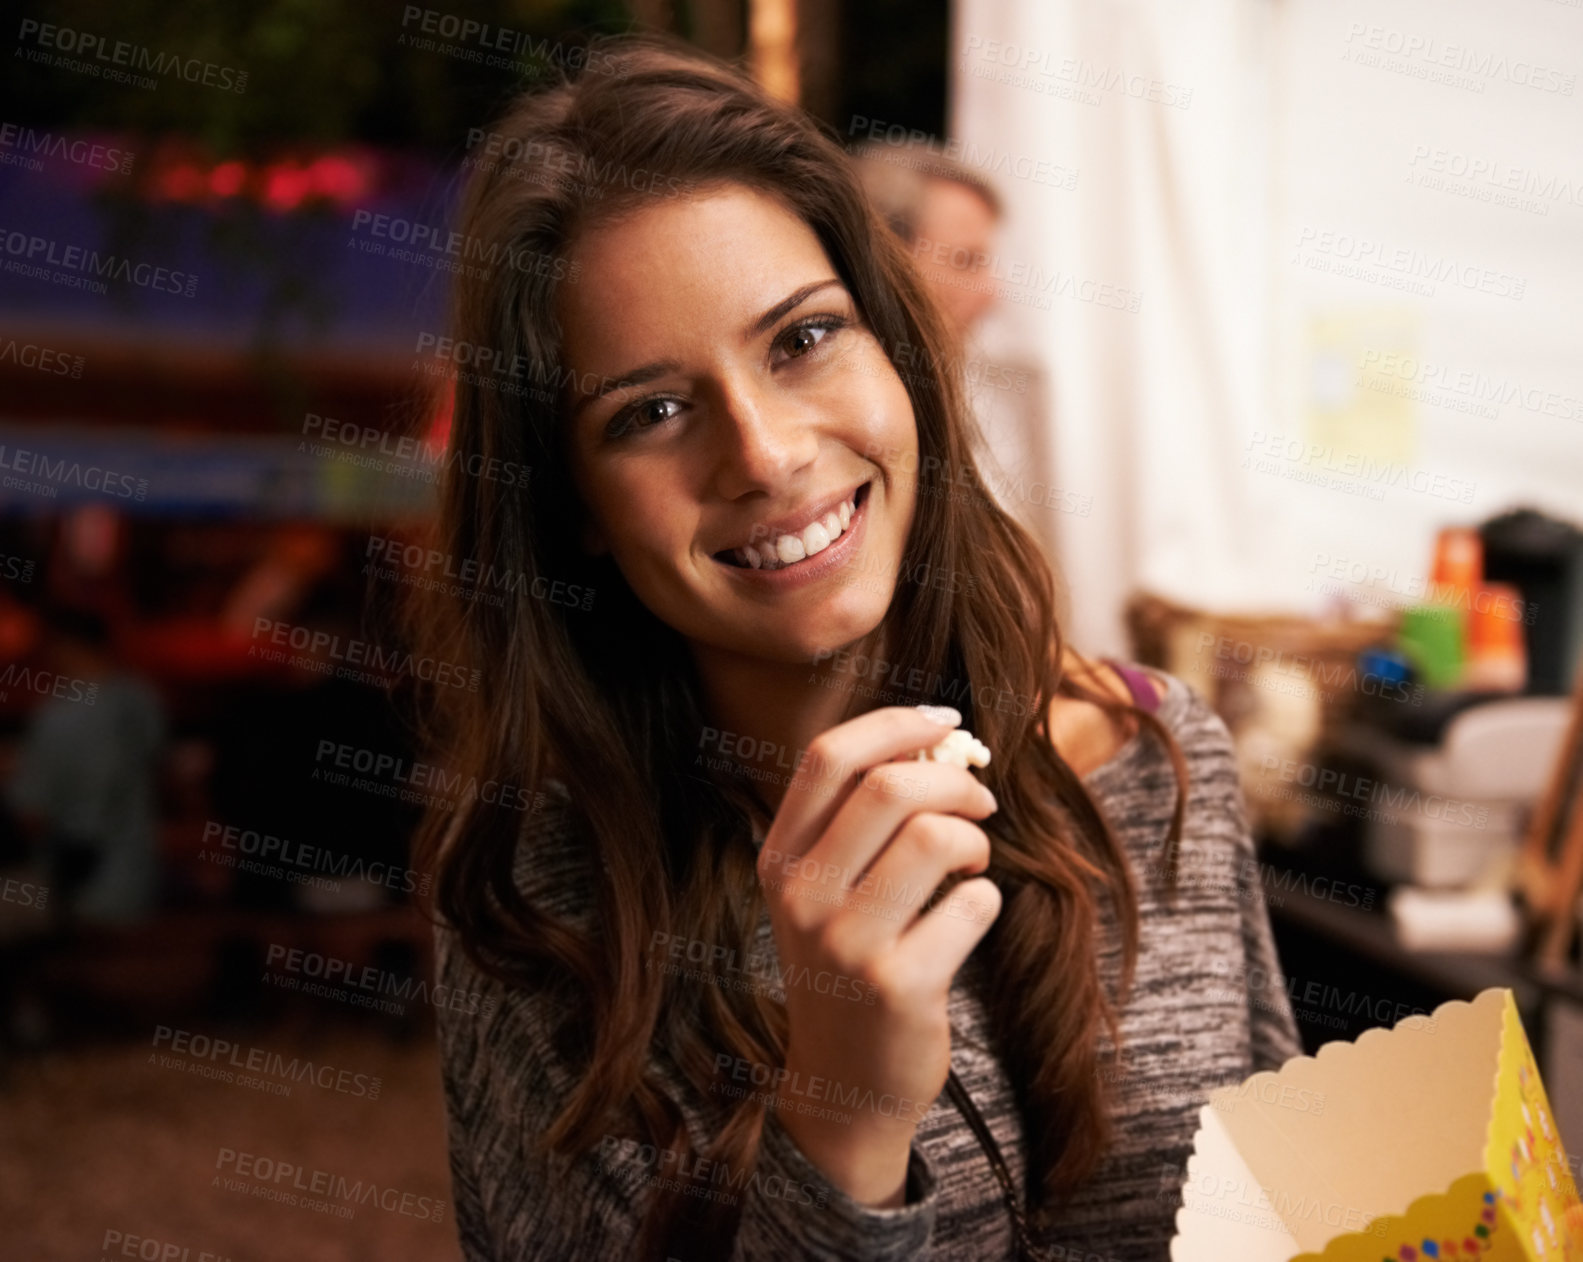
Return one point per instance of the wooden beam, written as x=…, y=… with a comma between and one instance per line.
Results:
x=772, y=39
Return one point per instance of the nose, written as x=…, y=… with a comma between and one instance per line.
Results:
x=761, y=438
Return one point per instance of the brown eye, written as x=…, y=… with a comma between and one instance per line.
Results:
x=644, y=414
x=654, y=411
x=802, y=338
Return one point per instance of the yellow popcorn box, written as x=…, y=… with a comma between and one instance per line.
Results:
x=1430, y=1141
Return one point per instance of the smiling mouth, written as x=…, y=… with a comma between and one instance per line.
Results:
x=788, y=550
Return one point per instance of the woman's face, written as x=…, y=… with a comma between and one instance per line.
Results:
x=726, y=397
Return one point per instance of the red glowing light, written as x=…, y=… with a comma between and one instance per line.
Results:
x=226, y=179
x=180, y=182
x=345, y=178
x=440, y=427
x=338, y=178
x=285, y=187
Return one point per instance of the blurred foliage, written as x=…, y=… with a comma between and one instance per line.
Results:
x=320, y=72
x=327, y=72
x=323, y=74
x=900, y=76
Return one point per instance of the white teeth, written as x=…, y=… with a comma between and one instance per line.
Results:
x=788, y=549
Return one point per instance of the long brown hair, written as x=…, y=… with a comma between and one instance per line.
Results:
x=607, y=702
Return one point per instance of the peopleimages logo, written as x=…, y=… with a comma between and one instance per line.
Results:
x=384, y=665
x=22, y=144
x=1351, y=472
x=46, y=683
x=45, y=359
x=1345, y=785
x=1043, y=69
x=429, y=568
x=553, y=165
x=108, y=58
x=32, y=257
x=220, y=1058
x=1420, y=589
x=919, y=147
x=1496, y=176
x=1366, y=259
x=482, y=42
x=406, y=779
x=45, y=476
x=332, y=978
x=425, y=240
x=1478, y=387
x=1020, y=281
x=1425, y=55
x=285, y=1181
x=286, y=854
x=122, y=1244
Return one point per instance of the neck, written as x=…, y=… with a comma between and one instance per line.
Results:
x=764, y=714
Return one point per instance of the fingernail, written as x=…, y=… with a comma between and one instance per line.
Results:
x=948, y=715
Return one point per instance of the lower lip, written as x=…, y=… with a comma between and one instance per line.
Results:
x=816, y=567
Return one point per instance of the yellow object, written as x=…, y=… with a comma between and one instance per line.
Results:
x=1362, y=409
x=1424, y=1143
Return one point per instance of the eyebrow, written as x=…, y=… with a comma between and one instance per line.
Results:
x=789, y=303
x=660, y=367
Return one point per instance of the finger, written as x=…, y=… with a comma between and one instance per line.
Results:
x=926, y=850
x=935, y=947
x=833, y=761
x=876, y=810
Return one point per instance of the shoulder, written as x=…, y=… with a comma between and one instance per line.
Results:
x=1184, y=712
x=552, y=861
x=1199, y=732
x=1144, y=768
x=498, y=1038
x=1085, y=734
x=551, y=872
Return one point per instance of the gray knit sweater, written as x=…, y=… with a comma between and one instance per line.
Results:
x=1189, y=1025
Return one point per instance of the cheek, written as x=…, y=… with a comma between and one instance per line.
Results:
x=644, y=513
x=880, y=414
x=900, y=427
x=641, y=518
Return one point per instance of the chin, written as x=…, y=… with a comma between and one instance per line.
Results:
x=824, y=637
x=816, y=637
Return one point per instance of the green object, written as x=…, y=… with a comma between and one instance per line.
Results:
x=1434, y=638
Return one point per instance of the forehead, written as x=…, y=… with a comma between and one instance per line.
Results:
x=950, y=201
x=684, y=264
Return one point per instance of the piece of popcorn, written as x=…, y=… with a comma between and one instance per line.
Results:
x=960, y=747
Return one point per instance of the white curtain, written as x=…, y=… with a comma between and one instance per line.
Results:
x=1230, y=158
x=1164, y=213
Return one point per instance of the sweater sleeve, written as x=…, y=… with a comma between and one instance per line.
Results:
x=1272, y=1026
x=838, y=1226
x=504, y=1083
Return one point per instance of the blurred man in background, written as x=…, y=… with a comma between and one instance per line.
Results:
x=949, y=216
x=947, y=213
x=86, y=778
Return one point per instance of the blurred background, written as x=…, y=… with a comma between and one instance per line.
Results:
x=1269, y=309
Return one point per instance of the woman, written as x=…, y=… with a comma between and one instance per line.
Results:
x=707, y=998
